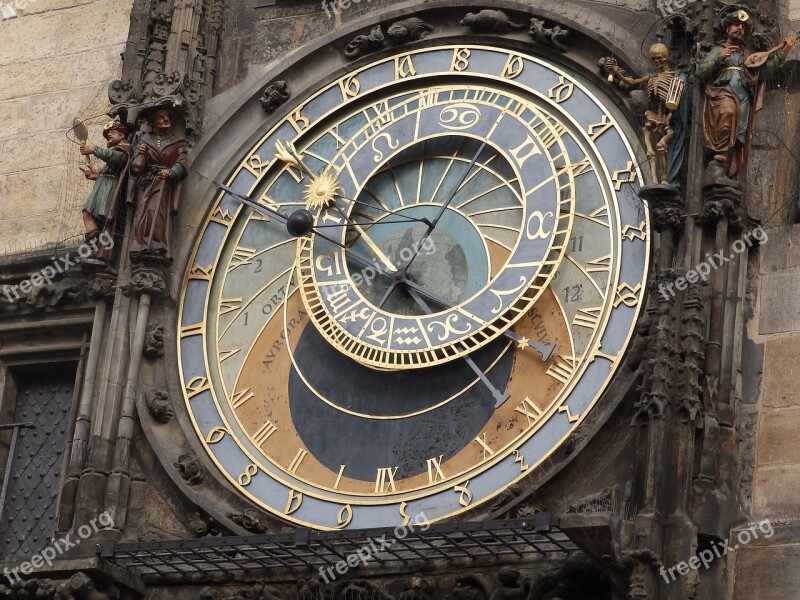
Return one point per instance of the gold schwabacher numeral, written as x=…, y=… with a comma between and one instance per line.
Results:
x=403, y=67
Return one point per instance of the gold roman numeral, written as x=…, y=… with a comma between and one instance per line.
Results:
x=435, y=472
x=239, y=398
x=295, y=464
x=562, y=368
x=487, y=451
x=384, y=482
x=530, y=410
x=263, y=433
x=587, y=317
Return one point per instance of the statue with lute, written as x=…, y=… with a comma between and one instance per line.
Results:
x=734, y=80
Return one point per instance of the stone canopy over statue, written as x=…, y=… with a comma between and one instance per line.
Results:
x=157, y=171
x=734, y=87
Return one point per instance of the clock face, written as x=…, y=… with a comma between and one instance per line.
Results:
x=472, y=278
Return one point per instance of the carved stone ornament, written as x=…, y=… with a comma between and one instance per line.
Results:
x=407, y=30
x=512, y=585
x=471, y=587
x=274, y=95
x=248, y=519
x=147, y=279
x=31, y=588
x=189, y=468
x=154, y=341
x=364, y=44
x=159, y=406
x=81, y=586
x=549, y=36
x=202, y=525
x=399, y=32
x=491, y=21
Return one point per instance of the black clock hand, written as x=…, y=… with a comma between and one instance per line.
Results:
x=349, y=253
x=546, y=350
x=444, y=206
x=499, y=398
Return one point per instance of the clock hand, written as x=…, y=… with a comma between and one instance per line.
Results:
x=349, y=253
x=444, y=206
x=546, y=350
x=499, y=398
x=368, y=240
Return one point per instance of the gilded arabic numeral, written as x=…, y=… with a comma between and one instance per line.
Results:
x=384, y=482
x=598, y=129
x=227, y=305
x=294, y=502
x=465, y=498
x=630, y=233
x=344, y=517
x=530, y=410
x=460, y=59
x=241, y=257
x=540, y=232
x=295, y=464
x=239, y=398
x=513, y=67
x=264, y=432
x=562, y=368
x=521, y=460
x=435, y=472
x=255, y=164
x=561, y=91
x=223, y=217
x=404, y=514
x=298, y=121
x=403, y=67
x=576, y=243
x=487, y=451
x=525, y=150
x=190, y=330
x=627, y=295
x=623, y=176
x=199, y=272
x=570, y=417
x=587, y=317
x=197, y=385
x=350, y=87
x=215, y=435
x=246, y=477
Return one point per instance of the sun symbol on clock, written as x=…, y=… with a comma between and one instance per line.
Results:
x=321, y=191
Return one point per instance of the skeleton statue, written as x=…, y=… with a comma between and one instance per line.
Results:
x=663, y=95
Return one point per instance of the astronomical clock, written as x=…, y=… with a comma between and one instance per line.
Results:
x=413, y=287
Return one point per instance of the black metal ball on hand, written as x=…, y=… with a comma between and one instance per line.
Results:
x=300, y=222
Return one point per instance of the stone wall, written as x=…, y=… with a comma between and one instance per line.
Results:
x=56, y=58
